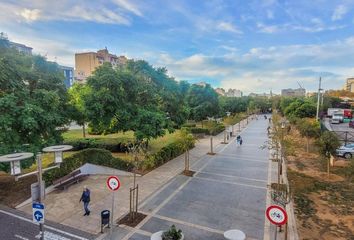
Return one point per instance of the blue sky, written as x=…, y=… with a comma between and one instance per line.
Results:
x=251, y=45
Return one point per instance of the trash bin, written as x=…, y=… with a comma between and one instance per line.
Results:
x=105, y=217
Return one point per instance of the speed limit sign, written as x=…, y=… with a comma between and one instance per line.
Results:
x=276, y=215
x=113, y=183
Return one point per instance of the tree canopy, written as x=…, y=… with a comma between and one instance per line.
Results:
x=33, y=100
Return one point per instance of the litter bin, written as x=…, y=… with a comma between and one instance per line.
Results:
x=105, y=217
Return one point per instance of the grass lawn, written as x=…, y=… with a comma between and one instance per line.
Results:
x=47, y=159
x=154, y=144
x=77, y=133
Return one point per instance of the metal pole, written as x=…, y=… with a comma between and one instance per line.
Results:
x=211, y=145
x=224, y=136
x=137, y=194
x=112, y=212
x=318, y=99
x=39, y=169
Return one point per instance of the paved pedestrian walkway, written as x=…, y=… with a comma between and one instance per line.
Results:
x=64, y=207
x=228, y=191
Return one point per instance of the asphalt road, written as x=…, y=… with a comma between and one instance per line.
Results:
x=14, y=225
x=228, y=191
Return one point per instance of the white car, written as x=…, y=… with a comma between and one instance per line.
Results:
x=346, y=151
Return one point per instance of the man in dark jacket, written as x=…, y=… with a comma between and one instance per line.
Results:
x=85, y=198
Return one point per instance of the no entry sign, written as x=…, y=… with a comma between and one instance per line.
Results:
x=113, y=183
x=276, y=215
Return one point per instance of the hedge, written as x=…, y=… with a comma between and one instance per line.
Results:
x=196, y=130
x=165, y=154
x=104, y=143
x=189, y=125
x=96, y=156
x=215, y=130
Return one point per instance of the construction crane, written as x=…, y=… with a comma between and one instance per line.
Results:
x=300, y=85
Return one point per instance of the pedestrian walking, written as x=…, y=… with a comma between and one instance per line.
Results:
x=241, y=140
x=85, y=198
x=238, y=139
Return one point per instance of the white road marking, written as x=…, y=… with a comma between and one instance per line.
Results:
x=241, y=159
x=45, y=226
x=20, y=237
x=233, y=183
x=150, y=215
x=224, y=175
x=190, y=224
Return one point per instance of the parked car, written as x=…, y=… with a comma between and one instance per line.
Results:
x=351, y=124
x=346, y=151
x=337, y=118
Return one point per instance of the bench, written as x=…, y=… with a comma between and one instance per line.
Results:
x=73, y=177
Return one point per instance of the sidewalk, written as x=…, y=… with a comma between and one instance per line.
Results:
x=64, y=207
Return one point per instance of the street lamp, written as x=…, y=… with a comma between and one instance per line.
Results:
x=15, y=158
x=58, y=152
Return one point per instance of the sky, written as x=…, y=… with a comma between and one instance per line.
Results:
x=251, y=45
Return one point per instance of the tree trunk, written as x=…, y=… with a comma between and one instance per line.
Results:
x=188, y=160
x=83, y=130
x=185, y=161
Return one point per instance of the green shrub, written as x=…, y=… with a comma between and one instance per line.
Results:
x=196, y=130
x=215, y=130
x=165, y=154
x=96, y=156
x=105, y=143
x=189, y=125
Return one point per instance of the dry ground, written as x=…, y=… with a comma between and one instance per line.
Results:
x=324, y=205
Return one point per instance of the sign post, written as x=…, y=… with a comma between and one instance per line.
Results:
x=277, y=216
x=113, y=184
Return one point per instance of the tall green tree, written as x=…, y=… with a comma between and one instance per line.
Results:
x=33, y=101
x=78, y=112
x=202, y=101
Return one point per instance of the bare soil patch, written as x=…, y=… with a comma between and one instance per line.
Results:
x=126, y=220
x=324, y=205
x=13, y=193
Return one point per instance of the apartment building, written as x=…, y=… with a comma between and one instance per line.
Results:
x=86, y=63
x=349, y=84
x=68, y=74
x=299, y=92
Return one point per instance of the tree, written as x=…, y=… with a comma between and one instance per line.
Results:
x=308, y=129
x=202, y=101
x=78, y=113
x=33, y=101
x=187, y=140
x=328, y=143
x=148, y=124
x=127, y=99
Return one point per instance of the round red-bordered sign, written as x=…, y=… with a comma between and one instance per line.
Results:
x=113, y=183
x=276, y=215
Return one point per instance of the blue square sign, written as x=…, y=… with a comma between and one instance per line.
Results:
x=38, y=212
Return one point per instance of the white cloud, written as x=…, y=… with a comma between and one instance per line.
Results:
x=30, y=14
x=128, y=5
x=339, y=12
x=275, y=67
x=228, y=27
x=268, y=28
x=94, y=11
